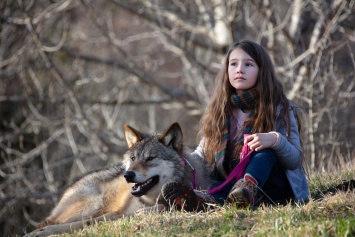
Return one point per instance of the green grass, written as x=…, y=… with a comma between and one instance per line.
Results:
x=332, y=215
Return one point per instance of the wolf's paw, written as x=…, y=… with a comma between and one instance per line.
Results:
x=182, y=197
x=38, y=233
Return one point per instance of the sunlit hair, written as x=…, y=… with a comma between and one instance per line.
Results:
x=213, y=121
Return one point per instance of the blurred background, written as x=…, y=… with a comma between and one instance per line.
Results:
x=72, y=73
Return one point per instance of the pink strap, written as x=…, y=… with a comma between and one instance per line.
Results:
x=239, y=170
x=193, y=181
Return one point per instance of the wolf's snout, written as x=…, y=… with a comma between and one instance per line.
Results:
x=129, y=176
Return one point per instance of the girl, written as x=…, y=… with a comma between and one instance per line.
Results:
x=248, y=99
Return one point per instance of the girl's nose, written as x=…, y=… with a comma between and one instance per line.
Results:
x=240, y=68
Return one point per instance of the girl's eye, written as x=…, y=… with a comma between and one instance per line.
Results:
x=233, y=64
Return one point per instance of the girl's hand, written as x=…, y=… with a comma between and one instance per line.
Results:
x=260, y=141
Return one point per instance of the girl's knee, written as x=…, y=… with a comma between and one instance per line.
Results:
x=265, y=153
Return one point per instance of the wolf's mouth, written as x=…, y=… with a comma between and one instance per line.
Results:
x=140, y=189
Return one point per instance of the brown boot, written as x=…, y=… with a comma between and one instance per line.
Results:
x=243, y=192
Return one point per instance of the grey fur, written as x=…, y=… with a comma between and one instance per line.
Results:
x=120, y=191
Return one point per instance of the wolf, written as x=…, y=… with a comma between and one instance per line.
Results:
x=151, y=161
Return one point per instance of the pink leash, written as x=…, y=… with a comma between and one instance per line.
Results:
x=193, y=181
x=239, y=170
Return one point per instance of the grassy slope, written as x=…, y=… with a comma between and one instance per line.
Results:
x=333, y=215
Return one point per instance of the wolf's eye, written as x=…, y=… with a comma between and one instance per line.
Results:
x=133, y=158
x=150, y=158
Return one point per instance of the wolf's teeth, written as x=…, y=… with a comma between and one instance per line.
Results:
x=138, y=185
x=147, y=182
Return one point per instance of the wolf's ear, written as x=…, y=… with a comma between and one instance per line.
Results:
x=173, y=137
x=132, y=135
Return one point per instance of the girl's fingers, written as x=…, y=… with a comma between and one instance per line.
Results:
x=248, y=138
x=260, y=141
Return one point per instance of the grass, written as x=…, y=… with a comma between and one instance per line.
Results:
x=324, y=215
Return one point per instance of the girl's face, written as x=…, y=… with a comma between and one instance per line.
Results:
x=242, y=70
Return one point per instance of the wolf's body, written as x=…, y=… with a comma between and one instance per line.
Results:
x=110, y=193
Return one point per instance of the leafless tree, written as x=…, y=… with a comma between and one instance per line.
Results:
x=72, y=73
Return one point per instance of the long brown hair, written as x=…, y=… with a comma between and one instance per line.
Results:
x=214, y=119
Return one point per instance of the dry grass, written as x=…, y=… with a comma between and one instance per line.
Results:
x=330, y=215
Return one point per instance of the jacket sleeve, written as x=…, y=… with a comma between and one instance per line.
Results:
x=289, y=151
x=198, y=152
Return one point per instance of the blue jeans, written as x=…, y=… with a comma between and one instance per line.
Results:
x=270, y=175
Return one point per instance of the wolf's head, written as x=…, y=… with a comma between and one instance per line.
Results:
x=153, y=160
